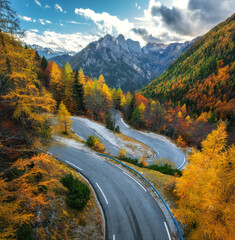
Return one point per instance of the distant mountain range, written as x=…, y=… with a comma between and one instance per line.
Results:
x=49, y=53
x=123, y=62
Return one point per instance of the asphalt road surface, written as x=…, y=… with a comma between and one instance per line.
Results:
x=131, y=213
x=83, y=131
x=162, y=148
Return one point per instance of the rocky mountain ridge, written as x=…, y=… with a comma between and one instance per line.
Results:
x=123, y=62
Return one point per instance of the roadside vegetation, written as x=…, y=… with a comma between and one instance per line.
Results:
x=34, y=202
x=162, y=167
x=95, y=144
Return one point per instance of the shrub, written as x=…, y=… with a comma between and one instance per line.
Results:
x=95, y=143
x=79, y=193
x=166, y=168
x=109, y=122
x=122, y=153
x=117, y=129
x=143, y=161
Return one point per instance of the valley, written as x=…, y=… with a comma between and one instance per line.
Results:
x=91, y=147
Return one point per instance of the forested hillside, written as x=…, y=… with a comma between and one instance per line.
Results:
x=24, y=102
x=32, y=193
x=203, y=76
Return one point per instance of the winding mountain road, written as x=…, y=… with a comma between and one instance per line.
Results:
x=160, y=145
x=131, y=213
x=83, y=131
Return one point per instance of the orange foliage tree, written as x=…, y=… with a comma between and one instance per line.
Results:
x=206, y=189
x=23, y=188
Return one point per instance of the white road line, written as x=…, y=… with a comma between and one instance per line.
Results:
x=113, y=236
x=124, y=123
x=81, y=137
x=73, y=165
x=135, y=181
x=182, y=163
x=102, y=193
x=169, y=236
x=100, y=158
x=156, y=151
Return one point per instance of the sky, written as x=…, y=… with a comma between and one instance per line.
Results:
x=70, y=25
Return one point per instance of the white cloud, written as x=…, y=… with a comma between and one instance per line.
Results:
x=42, y=21
x=183, y=4
x=34, y=30
x=74, y=22
x=27, y=19
x=38, y=3
x=59, y=8
x=60, y=42
x=108, y=24
x=137, y=5
x=47, y=6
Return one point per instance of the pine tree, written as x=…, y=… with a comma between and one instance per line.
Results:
x=79, y=94
x=9, y=21
x=137, y=118
x=43, y=63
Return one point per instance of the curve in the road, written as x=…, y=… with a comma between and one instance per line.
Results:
x=131, y=213
x=161, y=146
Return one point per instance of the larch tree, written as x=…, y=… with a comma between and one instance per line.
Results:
x=56, y=85
x=206, y=190
x=64, y=118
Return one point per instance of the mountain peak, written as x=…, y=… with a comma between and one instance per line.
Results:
x=108, y=37
x=120, y=37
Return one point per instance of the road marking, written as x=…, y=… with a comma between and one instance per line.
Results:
x=113, y=236
x=81, y=137
x=156, y=151
x=73, y=165
x=182, y=163
x=169, y=236
x=135, y=181
x=100, y=158
x=102, y=193
x=124, y=123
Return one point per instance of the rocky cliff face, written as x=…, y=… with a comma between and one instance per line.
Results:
x=124, y=63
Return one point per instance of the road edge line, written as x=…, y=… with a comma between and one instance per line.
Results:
x=151, y=185
x=97, y=200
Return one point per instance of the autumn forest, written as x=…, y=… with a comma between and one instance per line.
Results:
x=192, y=104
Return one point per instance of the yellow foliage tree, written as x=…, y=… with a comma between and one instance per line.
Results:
x=142, y=108
x=64, y=118
x=122, y=153
x=56, y=84
x=206, y=190
x=22, y=189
